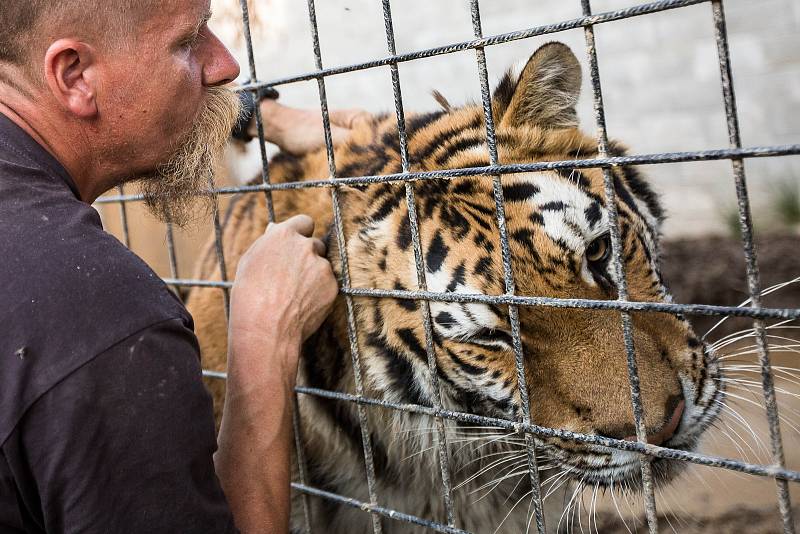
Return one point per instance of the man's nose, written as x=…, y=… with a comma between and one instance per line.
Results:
x=220, y=67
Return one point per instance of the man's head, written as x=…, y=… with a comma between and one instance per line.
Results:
x=30, y=25
x=120, y=90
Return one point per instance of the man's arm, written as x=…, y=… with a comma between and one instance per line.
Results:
x=283, y=291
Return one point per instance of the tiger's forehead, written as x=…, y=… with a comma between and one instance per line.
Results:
x=564, y=207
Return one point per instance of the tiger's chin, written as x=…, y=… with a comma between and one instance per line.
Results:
x=622, y=470
x=628, y=476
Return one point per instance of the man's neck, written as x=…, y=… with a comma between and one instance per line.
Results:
x=17, y=119
x=66, y=149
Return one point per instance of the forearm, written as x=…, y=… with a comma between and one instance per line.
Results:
x=255, y=440
x=283, y=290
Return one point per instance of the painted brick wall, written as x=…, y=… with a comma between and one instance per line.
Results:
x=659, y=74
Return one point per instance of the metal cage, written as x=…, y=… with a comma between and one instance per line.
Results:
x=735, y=153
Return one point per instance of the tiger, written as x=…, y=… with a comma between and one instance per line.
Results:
x=559, y=240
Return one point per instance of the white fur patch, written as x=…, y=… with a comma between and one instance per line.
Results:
x=467, y=319
x=562, y=224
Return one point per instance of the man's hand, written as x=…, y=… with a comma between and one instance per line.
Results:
x=283, y=291
x=299, y=131
x=284, y=285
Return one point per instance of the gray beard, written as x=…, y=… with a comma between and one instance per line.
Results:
x=179, y=190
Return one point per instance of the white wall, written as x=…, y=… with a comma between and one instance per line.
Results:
x=659, y=73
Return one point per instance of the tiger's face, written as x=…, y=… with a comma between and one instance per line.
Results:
x=558, y=228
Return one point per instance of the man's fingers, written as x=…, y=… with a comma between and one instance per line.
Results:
x=299, y=131
x=339, y=135
x=347, y=118
x=319, y=247
x=302, y=224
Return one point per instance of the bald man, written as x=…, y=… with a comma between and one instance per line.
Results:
x=104, y=422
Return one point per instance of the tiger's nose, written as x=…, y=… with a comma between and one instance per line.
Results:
x=668, y=430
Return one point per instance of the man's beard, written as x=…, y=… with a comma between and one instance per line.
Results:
x=178, y=191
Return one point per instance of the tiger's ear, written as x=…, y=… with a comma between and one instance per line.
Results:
x=544, y=94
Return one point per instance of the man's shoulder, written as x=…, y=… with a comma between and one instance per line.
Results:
x=68, y=292
x=63, y=260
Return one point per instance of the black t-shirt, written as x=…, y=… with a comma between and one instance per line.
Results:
x=105, y=425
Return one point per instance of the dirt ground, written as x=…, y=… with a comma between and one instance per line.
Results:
x=706, y=500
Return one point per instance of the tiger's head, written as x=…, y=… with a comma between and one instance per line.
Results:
x=558, y=229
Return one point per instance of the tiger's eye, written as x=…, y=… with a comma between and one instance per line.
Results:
x=599, y=249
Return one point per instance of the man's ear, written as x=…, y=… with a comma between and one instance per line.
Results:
x=69, y=74
x=545, y=93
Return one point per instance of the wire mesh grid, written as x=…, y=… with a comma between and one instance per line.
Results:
x=735, y=153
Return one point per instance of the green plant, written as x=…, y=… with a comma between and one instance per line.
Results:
x=786, y=200
x=729, y=215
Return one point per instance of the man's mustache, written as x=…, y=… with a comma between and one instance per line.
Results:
x=178, y=191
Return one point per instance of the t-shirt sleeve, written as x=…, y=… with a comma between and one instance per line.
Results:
x=125, y=443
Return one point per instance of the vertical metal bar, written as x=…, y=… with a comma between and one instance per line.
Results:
x=753, y=277
x=619, y=267
x=508, y=274
x=123, y=217
x=298, y=438
x=218, y=248
x=441, y=435
x=352, y=333
x=257, y=109
x=173, y=261
x=301, y=463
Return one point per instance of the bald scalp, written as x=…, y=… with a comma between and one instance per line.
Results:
x=29, y=26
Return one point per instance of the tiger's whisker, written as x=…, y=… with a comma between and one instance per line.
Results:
x=488, y=468
x=560, y=480
x=738, y=418
x=733, y=377
x=483, y=456
x=511, y=510
x=755, y=349
x=783, y=419
x=741, y=334
x=616, y=506
x=512, y=471
x=568, y=507
x=765, y=292
x=735, y=442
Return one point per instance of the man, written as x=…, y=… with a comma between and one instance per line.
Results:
x=104, y=423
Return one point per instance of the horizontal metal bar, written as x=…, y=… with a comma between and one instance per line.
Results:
x=215, y=374
x=479, y=298
x=622, y=305
x=386, y=512
x=545, y=432
x=631, y=446
x=580, y=22
x=187, y=282
x=540, y=166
